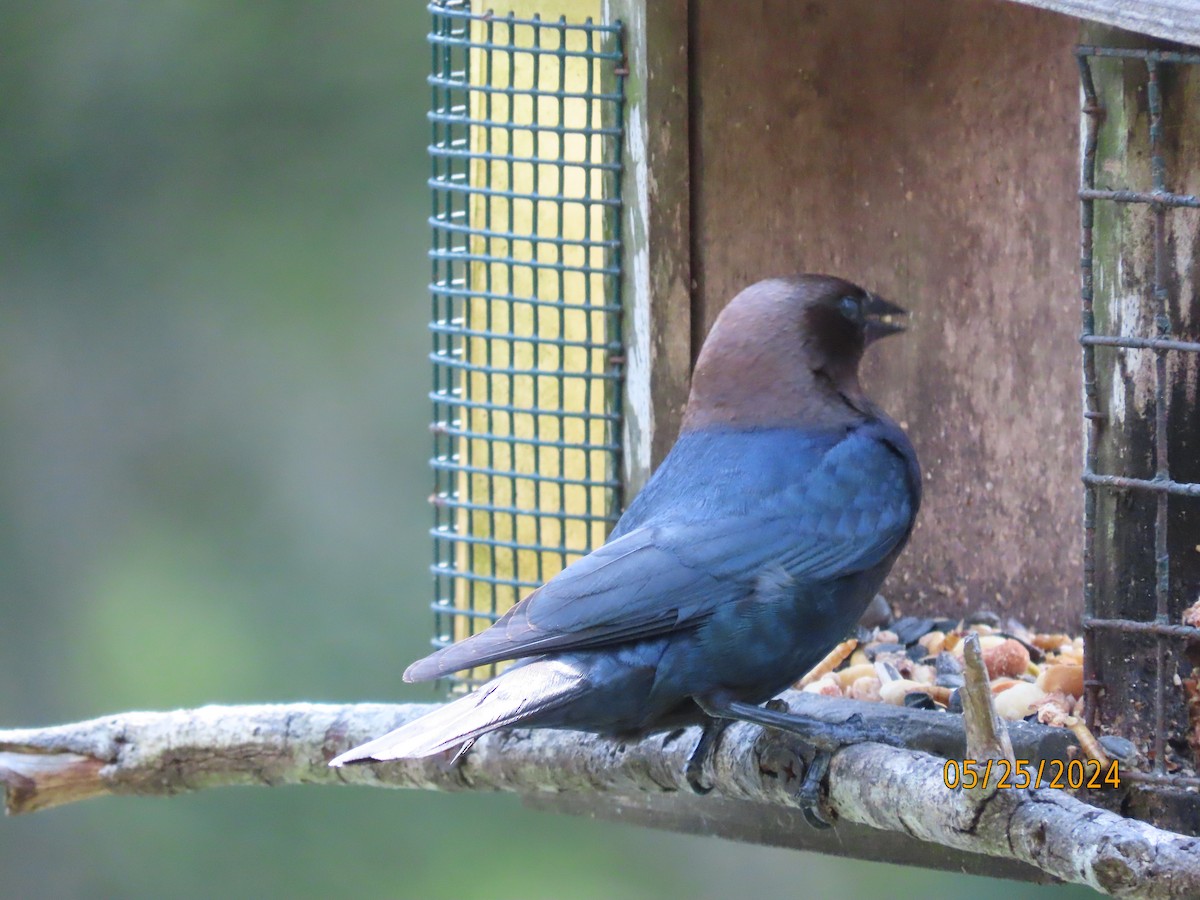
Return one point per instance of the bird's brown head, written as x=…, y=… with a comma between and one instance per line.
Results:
x=785, y=352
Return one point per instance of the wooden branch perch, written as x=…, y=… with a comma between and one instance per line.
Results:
x=876, y=783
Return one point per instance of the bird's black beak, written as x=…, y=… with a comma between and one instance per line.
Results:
x=882, y=318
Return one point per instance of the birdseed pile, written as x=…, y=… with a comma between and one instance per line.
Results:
x=917, y=662
x=1037, y=676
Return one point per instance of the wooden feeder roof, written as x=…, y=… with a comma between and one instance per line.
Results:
x=1173, y=20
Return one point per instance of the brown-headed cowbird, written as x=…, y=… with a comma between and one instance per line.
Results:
x=753, y=549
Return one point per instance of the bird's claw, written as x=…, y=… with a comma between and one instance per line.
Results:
x=695, y=776
x=809, y=795
x=705, y=748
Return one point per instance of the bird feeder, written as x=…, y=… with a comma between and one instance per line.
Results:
x=526, y=150
x=607, y=176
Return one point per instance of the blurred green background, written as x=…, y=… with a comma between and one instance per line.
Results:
x=213, y=455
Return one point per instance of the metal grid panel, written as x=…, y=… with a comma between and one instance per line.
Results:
x=1101, y=661
x=526, y=149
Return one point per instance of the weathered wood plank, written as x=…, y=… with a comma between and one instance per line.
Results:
x=1173, y=20
x=657, y=230
x=1126, y=240
x=927, y=150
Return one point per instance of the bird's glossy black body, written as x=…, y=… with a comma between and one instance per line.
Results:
x=753, y=549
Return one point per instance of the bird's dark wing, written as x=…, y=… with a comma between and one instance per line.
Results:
x=843, y=511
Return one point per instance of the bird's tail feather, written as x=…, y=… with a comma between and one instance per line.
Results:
x=515, y=696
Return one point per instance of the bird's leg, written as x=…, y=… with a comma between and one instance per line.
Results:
x=773, y=716
x=706, y=747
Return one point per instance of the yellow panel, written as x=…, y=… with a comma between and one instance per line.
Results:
x=522, y=267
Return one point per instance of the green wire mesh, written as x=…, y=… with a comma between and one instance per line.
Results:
x=1132, y=642
x=526, y=149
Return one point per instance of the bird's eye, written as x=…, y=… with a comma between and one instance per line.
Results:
x=850, y=308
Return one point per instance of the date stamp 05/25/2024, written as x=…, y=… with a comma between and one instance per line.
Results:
x=1072, y=775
